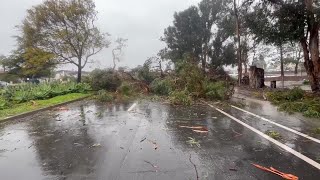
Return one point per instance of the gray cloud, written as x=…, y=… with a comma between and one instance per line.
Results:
x=140, y=21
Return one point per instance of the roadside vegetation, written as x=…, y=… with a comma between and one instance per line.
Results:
x=16, y=109
x=296, y=100
x=12, y=97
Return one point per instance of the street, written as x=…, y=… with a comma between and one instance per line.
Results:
x=89, y=140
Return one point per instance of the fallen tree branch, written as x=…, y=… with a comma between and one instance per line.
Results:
x=238, y=134
x=195, y=168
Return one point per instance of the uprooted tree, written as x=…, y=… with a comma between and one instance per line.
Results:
x=66, y=29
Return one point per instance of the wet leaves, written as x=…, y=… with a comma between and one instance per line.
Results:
x=273, y=134
x=193, y=142
x=96, y=145
x=155, y=145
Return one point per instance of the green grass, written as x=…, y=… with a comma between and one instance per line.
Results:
x=39, y=104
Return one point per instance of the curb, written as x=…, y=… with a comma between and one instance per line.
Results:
x=38, y=110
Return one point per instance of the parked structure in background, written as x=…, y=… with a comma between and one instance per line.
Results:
x=68, y=73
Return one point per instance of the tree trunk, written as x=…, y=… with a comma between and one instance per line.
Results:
x=79, y=74
x=309, y=66
x=311, y=53
x=204, y=58
x=296, y=68
x=281, y=62
x=238, y=42
x=245, y=68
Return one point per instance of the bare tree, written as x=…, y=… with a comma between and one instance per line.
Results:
x=118, y=50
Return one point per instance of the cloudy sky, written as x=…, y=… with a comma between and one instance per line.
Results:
x=142, y=22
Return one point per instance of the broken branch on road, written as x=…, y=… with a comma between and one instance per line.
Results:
x=237, y=134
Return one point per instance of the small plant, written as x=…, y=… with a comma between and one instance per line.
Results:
x=180, y=98
x=306, y=82
x=104, y=96
x=273, y=134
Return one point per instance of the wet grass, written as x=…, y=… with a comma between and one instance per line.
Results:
x=39, y=104
x=316, y=131
x=296, y=100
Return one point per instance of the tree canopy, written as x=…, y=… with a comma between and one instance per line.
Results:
x=65, y=29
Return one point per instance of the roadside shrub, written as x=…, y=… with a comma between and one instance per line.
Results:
x=126, y=89
x=294, y=94
x=161, y=87
x=216, y=90
x=292, y=107
x=3, y=104
x=180, y=98
x=191, y=77
x=306, y=82
x=104, y=80
x=27, y=92
x=312, y=113
x=104, y=96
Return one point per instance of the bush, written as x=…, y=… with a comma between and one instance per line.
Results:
x=306, y=82
x=180, y=98
x=3, y=104
x=191, y=77
x=294, y=94
x=104, y=80
x=104, y=96
x=161, y=87
x=126, y=89
x=292, y=107
x=27, y=92
x=312, y=113
x=216, y=90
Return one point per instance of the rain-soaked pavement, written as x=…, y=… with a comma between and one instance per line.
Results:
x=89, y=140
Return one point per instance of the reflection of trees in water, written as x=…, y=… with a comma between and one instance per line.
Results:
x=63, y=151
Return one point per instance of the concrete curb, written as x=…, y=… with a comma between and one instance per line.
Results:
x=39, y=110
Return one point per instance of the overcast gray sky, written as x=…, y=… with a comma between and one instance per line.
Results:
x=141, y=21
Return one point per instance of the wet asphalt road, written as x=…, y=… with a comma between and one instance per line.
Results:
x=97, y=141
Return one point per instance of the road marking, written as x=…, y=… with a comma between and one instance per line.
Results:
x=281, y=145
x=279, y=125
x=132, y=107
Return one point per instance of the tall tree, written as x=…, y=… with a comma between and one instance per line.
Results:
x=267, y=25
x=300, y=20
x=238, y=39
x=65, y=28
x=192, y=34
x=184, y=35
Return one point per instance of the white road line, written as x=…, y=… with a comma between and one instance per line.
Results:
x=281, y=145
x=132, y=107
x=279, y=125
